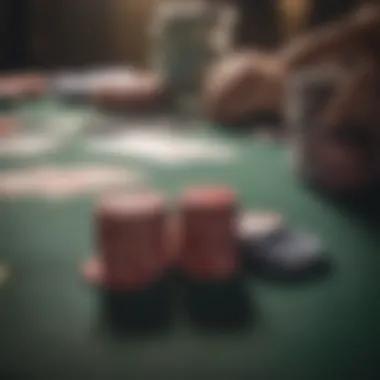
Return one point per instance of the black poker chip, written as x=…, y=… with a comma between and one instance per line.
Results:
x=270, y=247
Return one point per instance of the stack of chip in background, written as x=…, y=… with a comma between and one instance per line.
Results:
x=19, y=94
x=132, y=91
x=335, y=157
x=20, y=87
x=70, y=87
x=111, y=90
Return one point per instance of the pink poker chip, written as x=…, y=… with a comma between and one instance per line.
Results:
x=131, y=240
x=208, y=249
x=209, y=197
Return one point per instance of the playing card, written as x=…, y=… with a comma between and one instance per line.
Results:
x=16, y=184
x=63, y=182
x=94, y=178
x=165, y=147
x=27, y=145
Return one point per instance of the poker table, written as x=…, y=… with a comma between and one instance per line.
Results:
x=50, y=325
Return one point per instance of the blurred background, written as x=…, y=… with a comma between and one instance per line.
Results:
x=55, y=33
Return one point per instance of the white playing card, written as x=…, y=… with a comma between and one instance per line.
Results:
x=27, y=145
x=164, y=147
x=63, y=182
x=17, y=183
x=94, y=177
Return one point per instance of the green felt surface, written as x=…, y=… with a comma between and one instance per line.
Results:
x=50, y=325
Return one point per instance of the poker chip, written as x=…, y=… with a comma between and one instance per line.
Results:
x=131, y=238
x=208, y=251
x=10, y=92
x=296, y=251
x=260, y=224
x=209, y=197
x=137, y=91
x=31, y=85
x=22, y=86
x=131, y=205
x=4, y=274
x=71, y=87
x=269, y=245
